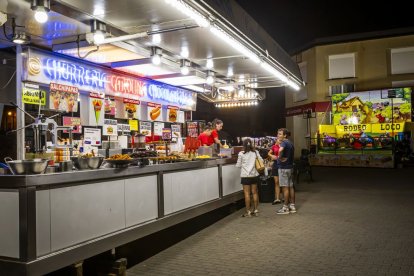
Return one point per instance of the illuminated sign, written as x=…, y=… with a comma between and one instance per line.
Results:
x=176, y=96
x=58, y=70
x=47, y=68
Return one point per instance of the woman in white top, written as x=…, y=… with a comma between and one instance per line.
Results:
x=249, y=175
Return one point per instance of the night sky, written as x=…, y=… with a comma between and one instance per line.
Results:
x=294, y=23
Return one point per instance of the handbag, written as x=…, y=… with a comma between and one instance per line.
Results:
x=260, y=167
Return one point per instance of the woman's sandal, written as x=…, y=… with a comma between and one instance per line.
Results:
x=248, y=214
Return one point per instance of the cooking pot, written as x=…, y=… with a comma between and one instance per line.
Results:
x=28, y=166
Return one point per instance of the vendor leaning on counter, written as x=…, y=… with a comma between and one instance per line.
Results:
x=217, y=126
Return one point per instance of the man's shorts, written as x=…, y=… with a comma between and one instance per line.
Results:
x=285, y=178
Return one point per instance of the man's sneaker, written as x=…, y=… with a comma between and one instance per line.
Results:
x=283, y=211
x=255, y=212
x=292, y=209
x=276, y=201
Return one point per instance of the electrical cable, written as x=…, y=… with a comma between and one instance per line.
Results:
x=8, y=82
x=88, y=53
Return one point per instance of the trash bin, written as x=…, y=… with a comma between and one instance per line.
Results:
x=266, y=189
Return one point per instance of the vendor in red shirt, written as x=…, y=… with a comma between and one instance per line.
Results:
x=205, y=137
x=217, y=126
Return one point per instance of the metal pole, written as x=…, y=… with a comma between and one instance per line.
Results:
x=20, y=135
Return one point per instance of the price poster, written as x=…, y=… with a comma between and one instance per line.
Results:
x=31, y=96
x=110, y=127
x=133, y=124
x=166, y=134
x=145, y=128
x=92, y=136
x=176, y=131
x=158, y=128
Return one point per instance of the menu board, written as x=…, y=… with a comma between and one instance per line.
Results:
x=130, y=108
x=63, y=97
x=145, y=128
x=92, y=136
x=154, y=112
x=158, y=128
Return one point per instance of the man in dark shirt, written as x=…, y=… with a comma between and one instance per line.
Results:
x=285, y=165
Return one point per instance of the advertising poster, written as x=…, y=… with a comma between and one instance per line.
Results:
x=172, y=114
x=109, y=106
x=130, y=108
x=75, y=122
x=31, y=96
x=96, y=112
x=63, y=97
x=110, y=127
x=154, y=112
x=92, y=136
x=372, y=107
x=145, y=128
x=158, y=127
x=192, y=129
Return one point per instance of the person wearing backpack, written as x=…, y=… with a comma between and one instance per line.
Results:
x=246, y=160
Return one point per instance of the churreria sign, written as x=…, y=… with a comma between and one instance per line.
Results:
x=45, y=68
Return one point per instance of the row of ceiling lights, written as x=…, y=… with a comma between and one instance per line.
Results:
x=42, y=7
x=237, y=104
x=204, y=21
x=99, y=31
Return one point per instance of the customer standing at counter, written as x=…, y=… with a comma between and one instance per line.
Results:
x=217, y=126
x=249, y=175
x=205, y=137
x=274, y=154
x=285, y=165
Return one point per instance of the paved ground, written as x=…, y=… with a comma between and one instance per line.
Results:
x=349, y=222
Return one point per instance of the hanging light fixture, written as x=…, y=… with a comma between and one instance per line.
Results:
x=156, y=54
x=19, y=37
x=185, y=67
x=41, y=8
x=98, y=30
x=210, y=77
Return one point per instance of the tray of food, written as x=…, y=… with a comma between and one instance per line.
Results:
x=120, y=160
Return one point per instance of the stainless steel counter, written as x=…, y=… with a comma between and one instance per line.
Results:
x=18, y=181
x=54, y=220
